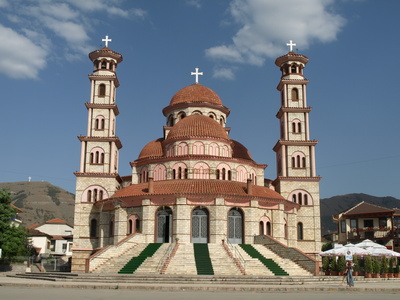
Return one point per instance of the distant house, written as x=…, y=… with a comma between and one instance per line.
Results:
x=52, y=237
x=369, y=221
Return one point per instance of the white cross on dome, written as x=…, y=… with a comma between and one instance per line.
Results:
x=106, y=40
x=291, y=44
x=197, y=73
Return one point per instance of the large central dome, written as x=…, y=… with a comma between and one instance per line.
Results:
x=197, y=126
x=196, y=93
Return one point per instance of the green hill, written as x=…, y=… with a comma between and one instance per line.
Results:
x=41, y=201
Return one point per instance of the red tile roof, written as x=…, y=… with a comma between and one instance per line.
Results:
x=196, y=93
x=152, y=149
x=367, y=208
x=197, y=187
x=197, y=126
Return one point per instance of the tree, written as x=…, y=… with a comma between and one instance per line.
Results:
x=13, y=239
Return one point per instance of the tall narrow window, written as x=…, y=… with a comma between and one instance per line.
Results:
x=93, y=228
x=300, y=231
x=295, y=94
x=102, y=90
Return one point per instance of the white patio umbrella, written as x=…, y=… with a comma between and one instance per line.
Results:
x=379, y=251
x=349, y=249
x=368, y=243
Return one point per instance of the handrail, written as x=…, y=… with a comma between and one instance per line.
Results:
x=235, y=252
x=165, y=256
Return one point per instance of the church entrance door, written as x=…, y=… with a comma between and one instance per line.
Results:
x=235, y=226
x=164, y=225
x=200, y=225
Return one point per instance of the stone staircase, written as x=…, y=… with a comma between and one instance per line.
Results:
x=152, y=265
x=253, y=266
x=223, y=264
x=183, y=262
x=109, y=253
x=115, y=264
x=288, y=265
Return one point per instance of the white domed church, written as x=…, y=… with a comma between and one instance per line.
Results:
x=194, y=185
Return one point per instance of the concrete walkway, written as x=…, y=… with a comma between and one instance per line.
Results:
x=373, y=285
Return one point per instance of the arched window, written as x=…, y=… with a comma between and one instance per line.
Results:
x=102, y=90
x=93, y=194
x=298, y=160
x=99, y=123
x=241, y=174
x=170, y=121
x=293, y=69
x=97, y=156
x=213, y=149
x=183, y=149
x=301, y=197
x=179, y=171
x=225, y=151
x=222, y=121
x=224, y=172
x=201, y=171
x=295, y=93
x=144, y=175
x=300, y=231
x=133, y=224
x=104, y=64
x=181, y=115
x=269, y=231
x=198, y=148
x=160, y=172
x=296, y=126
x=93, y=228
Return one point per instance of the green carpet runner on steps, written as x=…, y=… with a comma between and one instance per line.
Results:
x=202, y=259
x=268, y=262
x=136, y=261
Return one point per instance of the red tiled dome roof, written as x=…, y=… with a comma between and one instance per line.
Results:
x=152, y=149
x=198, y=126
x=240, y=151
x=196, y=93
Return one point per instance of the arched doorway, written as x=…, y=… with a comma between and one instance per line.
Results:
x=235, y=226
x=200, y=225
x=164, y=225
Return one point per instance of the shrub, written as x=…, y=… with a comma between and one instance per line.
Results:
x=368, y=264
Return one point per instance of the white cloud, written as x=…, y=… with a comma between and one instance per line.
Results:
x=267, y=25
x=195, y=3
x=46, y=29
x=3, y=3
x=224, y=73
x=20, y=57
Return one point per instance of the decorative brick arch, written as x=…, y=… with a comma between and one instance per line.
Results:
x=134, y=224
x=213, y=149
x=94, y=193
x=201, y=171
x=301, y=197
x=179, y=171
x=198, y=148
x=160, y=172
x=223, y=172
x=183, y=148
x=241, y=174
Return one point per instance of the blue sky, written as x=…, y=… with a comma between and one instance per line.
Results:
x=353, y=76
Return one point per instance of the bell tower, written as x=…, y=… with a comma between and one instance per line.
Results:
x=98, y=176
x=295, y=151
